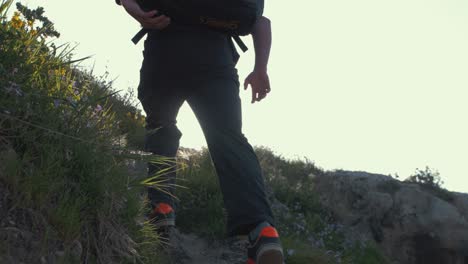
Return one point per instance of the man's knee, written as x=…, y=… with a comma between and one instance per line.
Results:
x=163, y=140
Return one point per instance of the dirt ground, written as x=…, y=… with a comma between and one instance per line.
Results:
x=190, y=249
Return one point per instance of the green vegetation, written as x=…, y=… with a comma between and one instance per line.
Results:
x=63, y=162
x=426, y=177
x=201, y=204
x=302, y=253
x=308, y=232
x=431, y=181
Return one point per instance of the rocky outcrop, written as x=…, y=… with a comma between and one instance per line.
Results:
x=411, y=224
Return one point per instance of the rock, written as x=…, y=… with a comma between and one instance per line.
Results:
x=409, y=223
x=188, y=249
x=76, y=249
x=461, y=202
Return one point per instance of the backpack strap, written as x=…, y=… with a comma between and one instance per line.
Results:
x=140, y=35
x=144, y=31
x=240, y=43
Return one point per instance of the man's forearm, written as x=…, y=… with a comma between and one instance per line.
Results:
x=128, y=2
x=129, y=5
x=261, y=35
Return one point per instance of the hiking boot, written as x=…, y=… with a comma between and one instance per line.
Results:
x=264, y=246
x=162, y=216
x=163, y=219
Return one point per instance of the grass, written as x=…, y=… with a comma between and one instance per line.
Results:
x=62, y=158
x=201, y=202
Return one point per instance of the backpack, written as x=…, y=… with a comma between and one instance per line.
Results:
x=232, y=17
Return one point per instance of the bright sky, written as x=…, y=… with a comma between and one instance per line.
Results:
x=372, y=85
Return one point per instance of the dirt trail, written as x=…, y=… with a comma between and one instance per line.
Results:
x=190, y=249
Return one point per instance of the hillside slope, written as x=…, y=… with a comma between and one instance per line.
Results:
x=72, y=187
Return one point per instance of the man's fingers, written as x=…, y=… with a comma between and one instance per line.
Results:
x=150, y=14
x=165, y=24
x=157, y=20
x=258, y=94
x=157, y=23
x=246, y=83
x=260, y=86
x=262, y=95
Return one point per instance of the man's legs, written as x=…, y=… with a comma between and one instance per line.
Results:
x=161, y=101
x=162, y=139
x=217, y=106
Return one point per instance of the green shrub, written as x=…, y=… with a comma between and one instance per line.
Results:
x=426, y=177
x=60, y=156
x=431, y=181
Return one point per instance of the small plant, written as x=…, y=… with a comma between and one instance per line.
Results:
x=426, y=177
x=37, y=15
x=431, y=181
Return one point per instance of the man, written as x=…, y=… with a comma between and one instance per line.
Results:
x=197, y=65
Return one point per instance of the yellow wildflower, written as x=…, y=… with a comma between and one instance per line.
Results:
x=60, y=72
x=31, y=23
x=16, y=21
x=16, y=16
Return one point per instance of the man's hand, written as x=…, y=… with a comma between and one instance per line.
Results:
x=146, y=19
x=260, y=84
x=258, y=79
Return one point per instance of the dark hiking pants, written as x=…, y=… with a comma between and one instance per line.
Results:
x=217, y=106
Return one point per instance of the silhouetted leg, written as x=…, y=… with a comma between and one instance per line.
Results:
x=217, y=106
x=161, y=101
